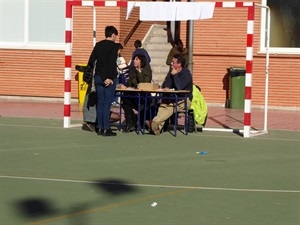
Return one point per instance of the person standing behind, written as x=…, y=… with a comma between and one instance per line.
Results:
x=121, y=65
x=139, y=51
x=179, y=78
x=105, y=53
x=177, y=49
x=141, y=73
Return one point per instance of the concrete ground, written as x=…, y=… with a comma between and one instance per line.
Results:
x=218, y=117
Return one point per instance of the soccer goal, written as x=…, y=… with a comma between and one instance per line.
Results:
x=250, y=6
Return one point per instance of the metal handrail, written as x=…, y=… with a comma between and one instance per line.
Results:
x=135, y=27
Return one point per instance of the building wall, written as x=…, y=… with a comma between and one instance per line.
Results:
x=218, y=44
x=32, y=73
x=40, y=73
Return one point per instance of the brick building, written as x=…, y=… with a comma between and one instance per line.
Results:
x=36, y=68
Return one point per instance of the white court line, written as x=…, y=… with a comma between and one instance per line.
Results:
x=253, y=137
x=39, y=149
x=31, y=126
x=191, y=134
x=152, y=185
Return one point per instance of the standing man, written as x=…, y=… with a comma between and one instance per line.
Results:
x=179, y=78
x=105, y=53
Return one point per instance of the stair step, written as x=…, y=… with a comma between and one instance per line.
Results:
x=158, y=40
x=160, y=69
x=159, y=75
x=158, y=54
x=158, y=48
x=158, y=61
x=159, y=30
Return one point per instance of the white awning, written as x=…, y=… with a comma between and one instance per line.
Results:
x=172, y=11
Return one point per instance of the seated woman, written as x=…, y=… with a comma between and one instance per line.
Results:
x=141, y=73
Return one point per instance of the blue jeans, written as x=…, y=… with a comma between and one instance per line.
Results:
x=105, y=97
x=115, y=99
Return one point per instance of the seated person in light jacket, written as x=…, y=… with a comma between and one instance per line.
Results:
x=179, y=78
x=141, y=73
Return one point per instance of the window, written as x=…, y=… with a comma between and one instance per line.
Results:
x=32, y=24
x=284, y=26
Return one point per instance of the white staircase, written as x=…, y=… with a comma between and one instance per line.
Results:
x=156, y=43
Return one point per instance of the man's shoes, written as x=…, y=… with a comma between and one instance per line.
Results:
x=148, y=125
x=129, y=128
x=100, y=132
x=155, y=128
x=108, y=133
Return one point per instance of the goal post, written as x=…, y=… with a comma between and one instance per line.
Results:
x=250, y=6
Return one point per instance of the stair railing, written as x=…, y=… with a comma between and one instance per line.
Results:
x=132, y=31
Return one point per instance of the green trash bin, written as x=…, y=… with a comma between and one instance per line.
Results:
x=237, y=87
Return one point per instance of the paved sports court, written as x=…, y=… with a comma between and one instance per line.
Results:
x=50, y=175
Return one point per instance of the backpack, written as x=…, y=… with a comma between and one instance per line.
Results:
x=199, y=106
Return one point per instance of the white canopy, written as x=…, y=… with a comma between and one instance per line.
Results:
x=172, y=11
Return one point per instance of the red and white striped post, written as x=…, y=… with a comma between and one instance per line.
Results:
x=68, y=48
x=249, y=59
x=68, y=64
x=249, y=68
